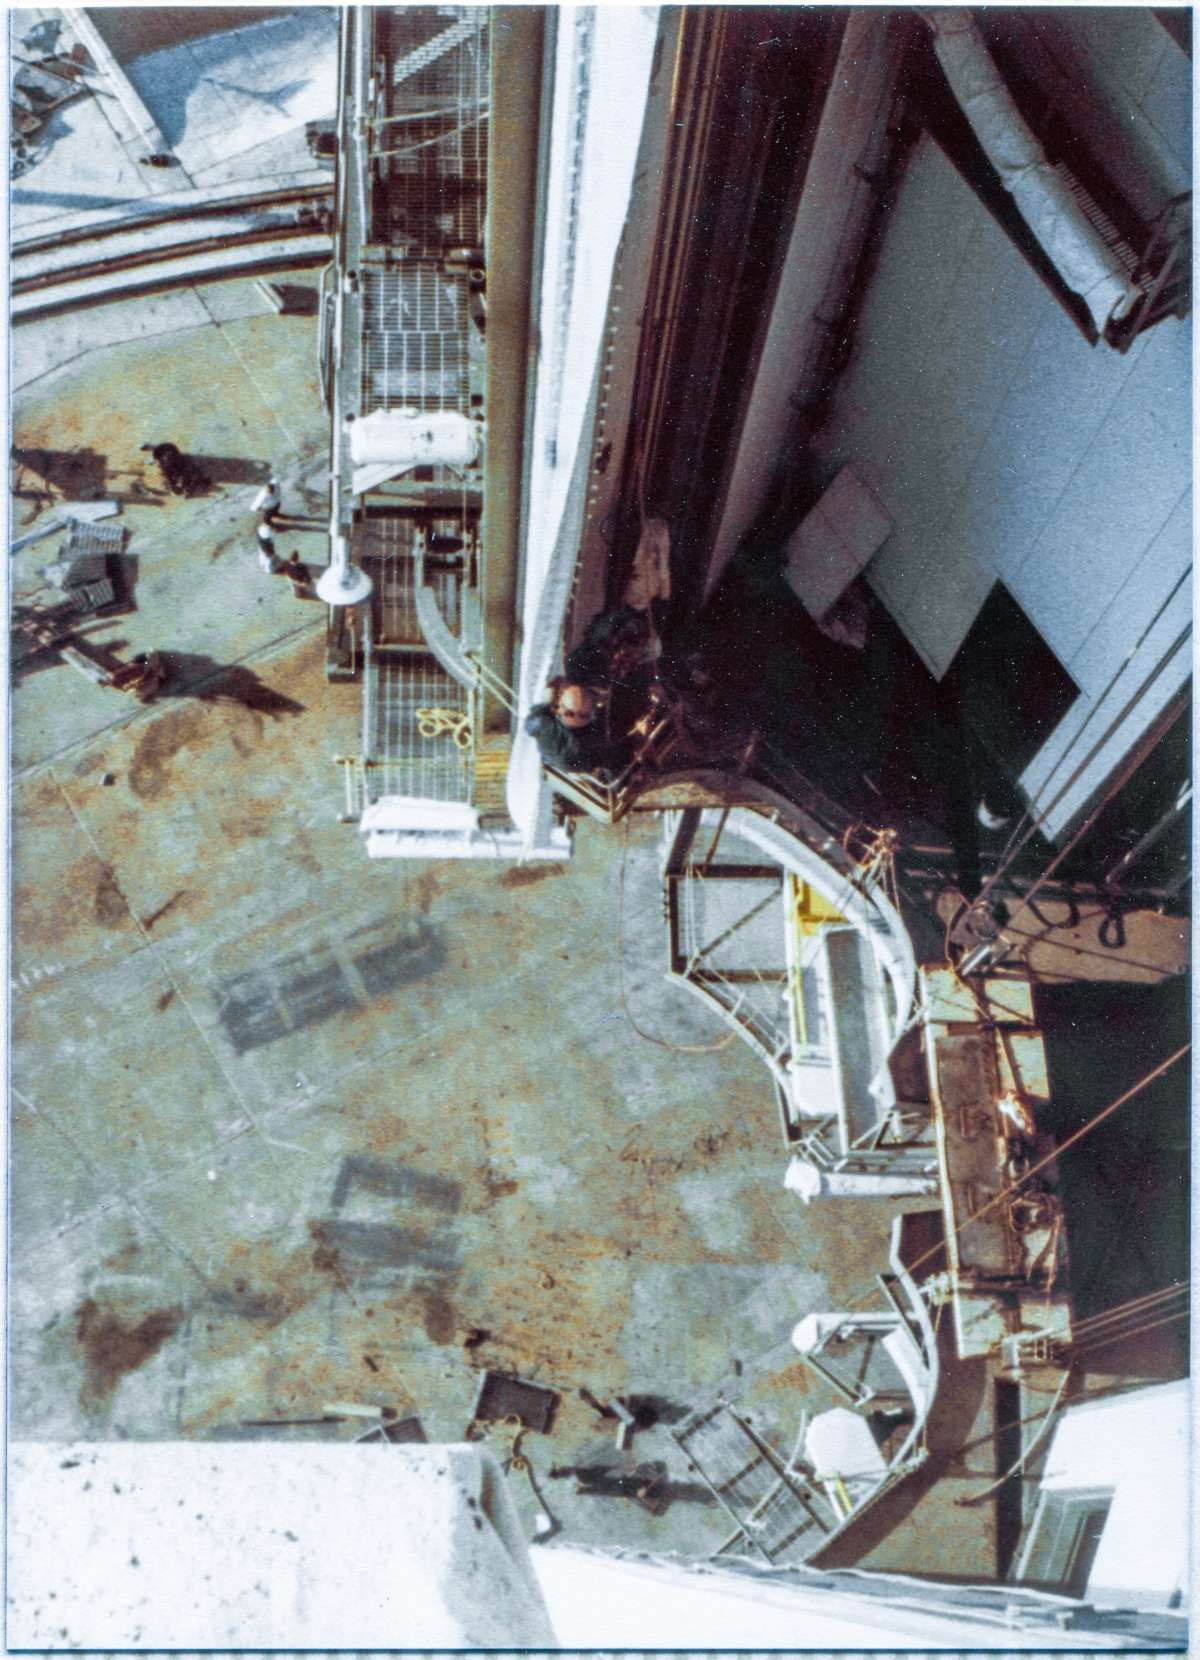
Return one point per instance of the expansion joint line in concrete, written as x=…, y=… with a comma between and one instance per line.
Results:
x=150, y=711
x=126, y=1199
x=327, y=1085
x=250, y=376
x=178, y=989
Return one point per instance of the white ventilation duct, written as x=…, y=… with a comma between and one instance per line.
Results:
x=1085, y=264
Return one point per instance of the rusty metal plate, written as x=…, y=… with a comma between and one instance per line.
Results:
x=966, y=1086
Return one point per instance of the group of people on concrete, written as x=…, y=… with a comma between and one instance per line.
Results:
x=268, y=504
x=184, y=476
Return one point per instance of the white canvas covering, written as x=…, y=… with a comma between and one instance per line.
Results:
x=603, y=63
x=811, y=1183
x=410, y=813
x=839, y=1442
x=406, y=827
x=403, y=438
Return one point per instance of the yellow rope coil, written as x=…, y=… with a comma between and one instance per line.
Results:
x=431, y=723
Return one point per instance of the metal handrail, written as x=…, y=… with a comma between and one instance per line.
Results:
x=609, y=801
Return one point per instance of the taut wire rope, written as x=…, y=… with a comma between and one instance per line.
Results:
x=1047, y=1419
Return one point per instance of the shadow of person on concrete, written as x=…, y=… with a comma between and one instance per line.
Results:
x=232, y=469
x=295, y=523
x=122, y=571
x=78, y=474
x=647, y=1484
x=649, y=1410
x=36, y=633
x=190, y=674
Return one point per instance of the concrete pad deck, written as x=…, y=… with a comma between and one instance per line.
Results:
x=290, y=1127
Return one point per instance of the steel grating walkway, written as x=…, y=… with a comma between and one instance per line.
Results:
x=386, y=548
x=774, y=1508
x=415, y=326
x=417, y=716
x=432, y=151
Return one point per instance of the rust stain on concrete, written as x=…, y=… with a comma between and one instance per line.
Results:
x=438, y=1317
x=522, y=876
x=113, y=1346
x=47, y=912
x=176, y=900
x=419, y=892
x=244, y=727
x=38, y=806
x=254, y=1291
x=326, y=1258
x=571, y=1326
x=158, y=745
x=126, y=1260
x=498, y=1188
x=108, y=901
x=254, y=819
x=791, y=1380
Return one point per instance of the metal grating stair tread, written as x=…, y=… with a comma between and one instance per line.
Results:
x=769, y=1505
x=415, y=323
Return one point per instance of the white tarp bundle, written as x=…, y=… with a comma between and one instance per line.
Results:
x=406, y=827
x=1086, y=265
x=413, y=438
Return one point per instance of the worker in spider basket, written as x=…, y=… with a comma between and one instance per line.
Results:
x=589, y=711
x=573, y=732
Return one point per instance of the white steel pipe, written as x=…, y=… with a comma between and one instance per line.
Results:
x=342, y=583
